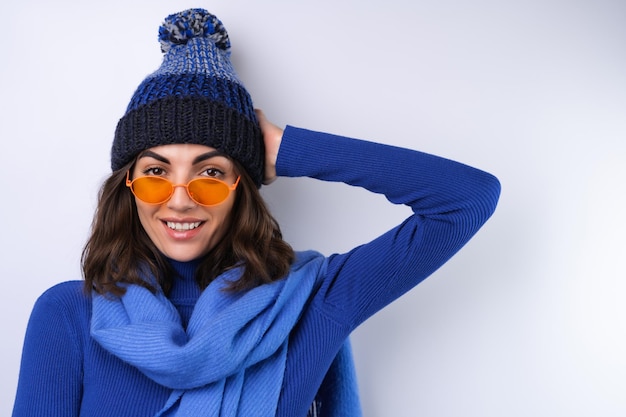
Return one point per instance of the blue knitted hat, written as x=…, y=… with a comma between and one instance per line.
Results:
x=194, y=97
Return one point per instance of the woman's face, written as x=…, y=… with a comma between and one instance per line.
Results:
x=180, y=228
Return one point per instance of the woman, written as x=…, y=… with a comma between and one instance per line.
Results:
x=192, y=303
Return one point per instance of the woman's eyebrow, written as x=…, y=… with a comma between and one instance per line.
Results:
x=150, y=154
x=205, y=156
x=200, y=158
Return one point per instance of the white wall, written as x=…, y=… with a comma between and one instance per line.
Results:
x=527, y=320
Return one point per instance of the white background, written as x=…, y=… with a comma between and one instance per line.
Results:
x=528, y=319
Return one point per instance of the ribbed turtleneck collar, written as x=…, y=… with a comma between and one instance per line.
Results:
x=185, y=270
x=184, y=292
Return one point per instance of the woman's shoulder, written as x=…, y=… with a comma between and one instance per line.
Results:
x=61, y=315
x=304, y=257
x=68, y=295
x=309, y=261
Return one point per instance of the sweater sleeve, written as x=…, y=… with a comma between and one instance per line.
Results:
x=450, y=201
x=50, y=378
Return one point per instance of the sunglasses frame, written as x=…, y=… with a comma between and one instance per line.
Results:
x=231, y=188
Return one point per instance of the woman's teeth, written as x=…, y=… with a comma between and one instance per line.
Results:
x=179, y=227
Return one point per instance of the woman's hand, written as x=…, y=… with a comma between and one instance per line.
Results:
x=272, y=136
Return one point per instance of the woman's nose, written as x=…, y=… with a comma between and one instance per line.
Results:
x=180, y=199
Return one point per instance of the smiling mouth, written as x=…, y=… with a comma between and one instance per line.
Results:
x=180, y=227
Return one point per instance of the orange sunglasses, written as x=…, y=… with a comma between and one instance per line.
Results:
x=157, y=190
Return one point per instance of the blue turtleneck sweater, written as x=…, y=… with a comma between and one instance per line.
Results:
x=184, y=292
x=64, y=372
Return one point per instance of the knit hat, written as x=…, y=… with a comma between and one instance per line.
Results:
x=194, y=97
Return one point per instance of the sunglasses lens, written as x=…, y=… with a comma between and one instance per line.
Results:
x=208, y=191
x=152, y=190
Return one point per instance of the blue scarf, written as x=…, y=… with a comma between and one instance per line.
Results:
x=231, y=359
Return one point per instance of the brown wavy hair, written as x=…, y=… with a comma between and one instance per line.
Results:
x=119, y=249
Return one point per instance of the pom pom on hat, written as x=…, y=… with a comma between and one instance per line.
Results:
x=178, y=28
x=195, y=96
